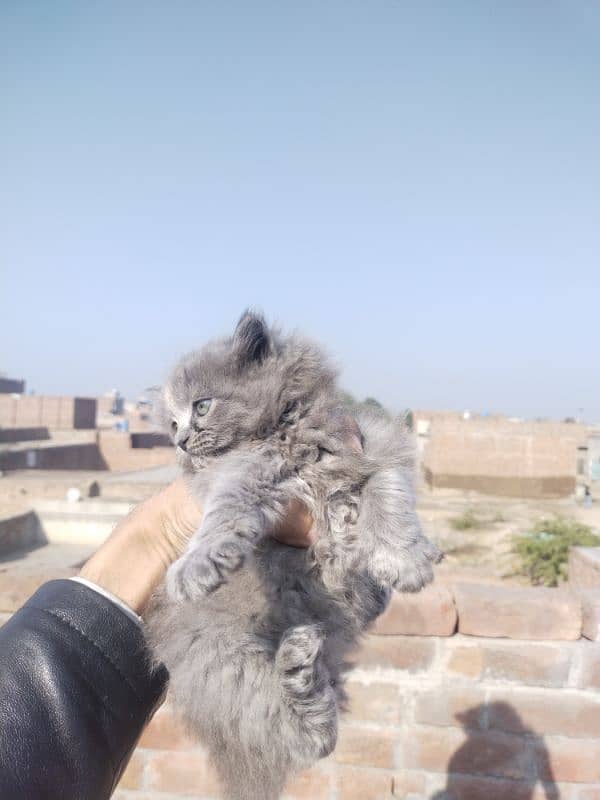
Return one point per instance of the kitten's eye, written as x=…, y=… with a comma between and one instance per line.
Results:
x=201, y=407
x=174, y=427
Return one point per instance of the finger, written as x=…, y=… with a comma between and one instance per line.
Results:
x=297, y=528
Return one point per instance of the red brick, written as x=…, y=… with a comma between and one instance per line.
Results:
x=133, y=776
x=589, y=793
x=571, y=760
x=562, y=713
x=471, y=787
x=589, y=677
x=522, y=662
x=451, y=706
x=399, y=652
x=467, y=661
x=584, y=567
x=357, y=783
x=516, y=612
x=166, y=732
x=313, y=784
x=590, y=603
x=136, y=794
x=488, y=753
x=409, y=784
x=536, y=664
x=375, y=702
x=181, y=772
x=548, y=790
x=430, y=612
x=365, y=747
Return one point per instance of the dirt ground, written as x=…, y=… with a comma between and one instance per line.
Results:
x=20, y=490
x=482, y=550
x=479, y=552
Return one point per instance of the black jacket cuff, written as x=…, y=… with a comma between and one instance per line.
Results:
x=76, y=689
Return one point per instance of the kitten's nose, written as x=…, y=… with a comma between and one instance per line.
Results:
x=183, y=443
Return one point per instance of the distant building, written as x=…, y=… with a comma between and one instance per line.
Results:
x=593, y=453
x=495, y=455
x=11, y=386
x=55, y=413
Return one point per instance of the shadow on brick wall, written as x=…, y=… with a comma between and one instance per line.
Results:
x=494, y=765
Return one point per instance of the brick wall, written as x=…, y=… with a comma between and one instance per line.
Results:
x=496, y=456
x=468, y=693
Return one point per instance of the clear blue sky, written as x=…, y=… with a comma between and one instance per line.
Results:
x=416, y=184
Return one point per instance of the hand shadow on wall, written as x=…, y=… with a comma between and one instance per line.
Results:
x=482, y=759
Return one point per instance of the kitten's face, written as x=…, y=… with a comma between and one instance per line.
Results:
x=219, y=396
x=237, y=389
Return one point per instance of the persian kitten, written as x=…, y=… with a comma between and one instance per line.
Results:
x=255, y=633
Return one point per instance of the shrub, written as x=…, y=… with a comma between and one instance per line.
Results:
x=466, y=521
x=544, y=552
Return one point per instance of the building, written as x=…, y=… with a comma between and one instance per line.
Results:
x=496, y=455
x=11, y=385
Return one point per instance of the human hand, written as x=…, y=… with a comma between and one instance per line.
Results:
x=134, y=559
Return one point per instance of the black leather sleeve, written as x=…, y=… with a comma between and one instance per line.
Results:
x=76, y=691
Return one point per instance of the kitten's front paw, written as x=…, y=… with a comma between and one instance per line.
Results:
x=190, y=578
x=202, y=570
x=409, y=571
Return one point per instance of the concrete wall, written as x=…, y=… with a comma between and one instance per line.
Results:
x=11, y=435
x=440, y=709
x=110, y=450
x=496, y=456
x=149, y=439
x=49, y=411
x=85, y=456
x=119, y=455
x=20, y=531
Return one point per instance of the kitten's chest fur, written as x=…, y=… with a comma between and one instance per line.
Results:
x=312, y=463
x=290, y=585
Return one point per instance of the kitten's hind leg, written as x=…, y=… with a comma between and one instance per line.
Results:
x=397, y=552
x=308, y=693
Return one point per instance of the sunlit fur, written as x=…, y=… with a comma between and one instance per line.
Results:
x=254, y=633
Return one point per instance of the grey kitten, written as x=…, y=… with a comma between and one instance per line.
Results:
x=255, y=633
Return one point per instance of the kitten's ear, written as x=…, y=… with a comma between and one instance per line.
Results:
x=252, y=339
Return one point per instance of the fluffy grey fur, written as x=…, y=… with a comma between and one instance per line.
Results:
x=255, y=633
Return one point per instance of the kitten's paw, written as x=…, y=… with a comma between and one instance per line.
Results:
x=408, y=572
x=201, y=571
x=298, y=659
x=190, y=578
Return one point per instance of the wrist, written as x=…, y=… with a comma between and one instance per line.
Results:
x=134, y=559
x=125, y=566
